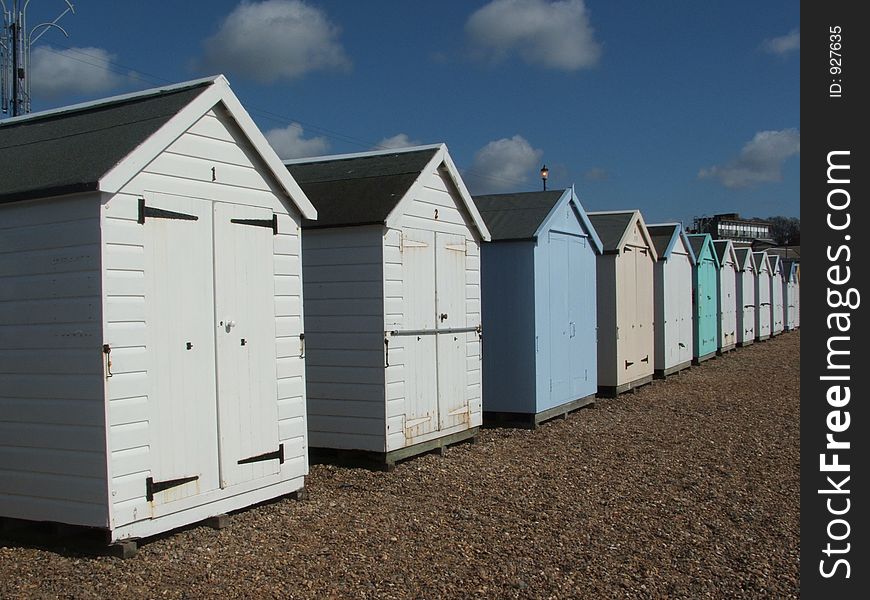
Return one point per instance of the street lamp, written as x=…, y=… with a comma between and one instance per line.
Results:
x=545, y=172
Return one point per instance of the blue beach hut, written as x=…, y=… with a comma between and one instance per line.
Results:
x=705, y=276
x=538, y=294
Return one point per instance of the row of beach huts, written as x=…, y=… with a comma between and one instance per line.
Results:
x=157, y=258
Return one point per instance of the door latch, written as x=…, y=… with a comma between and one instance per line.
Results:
x=189, y=345
x=443, y=317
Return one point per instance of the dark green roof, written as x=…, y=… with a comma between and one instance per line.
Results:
x=68, y=151
x=697, y=241
x=516, y=216
x=742, y=253
x=661, y=236
x=611, y=227
x=359, y=190
x=720, y=246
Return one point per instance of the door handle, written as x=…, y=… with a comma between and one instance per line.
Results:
x=443, y=317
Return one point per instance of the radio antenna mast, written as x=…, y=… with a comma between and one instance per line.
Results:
x=15, y=43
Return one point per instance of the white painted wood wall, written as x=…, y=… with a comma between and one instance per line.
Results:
x=746, y=304
x=52, y=416
x=356, y=293
x=673, y=304
x=86, y=267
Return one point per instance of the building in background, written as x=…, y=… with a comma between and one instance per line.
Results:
x=729, y=226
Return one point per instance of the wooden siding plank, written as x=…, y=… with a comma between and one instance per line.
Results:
x=123, y=257
x=48, y=311
x=41, y=236
x=124, y=309
x=45, y=211
x=209, y=149
x=60, y=285
x=194, y=188
x=179, y=166
x=348, y=307
x=71, y=386
x=288, y=285
x=57, y=335
x=128, y=410
x=340, y=290
x=362, y=426
x=58, y=260
x=351, y=392
x=290, y=387
x=50, y=411
x=57, y=462
x=53, y=437
x=328, y=257
x=126, y=334
x=129, y=435
x=39, y=361
x=50, y=485
x=323, y=374
x=124, y=283
x=210, y=126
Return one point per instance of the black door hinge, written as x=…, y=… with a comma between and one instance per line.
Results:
x=159, y=213
x=276, y=455
x=152, y=487
x=267, y=223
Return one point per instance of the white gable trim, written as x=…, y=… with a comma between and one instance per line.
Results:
x=636, y=220
x=440, y=159
x=218, y=93
x=569, y=198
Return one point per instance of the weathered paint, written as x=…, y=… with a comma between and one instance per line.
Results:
x=386, y=371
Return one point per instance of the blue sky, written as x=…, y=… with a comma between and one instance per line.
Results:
x=678, y=108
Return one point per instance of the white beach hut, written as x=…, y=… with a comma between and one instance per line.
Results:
x=392, y=302
x=746, y=276
x=150, y=313
x=673, y=298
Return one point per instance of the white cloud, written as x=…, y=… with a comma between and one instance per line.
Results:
x=78, y=71
x=503, y=165
x=275, y=39
x=759, y=161
x=783, y=44
x=289, y=142
x=596, y=174
x=555, y=35
x=400, y=140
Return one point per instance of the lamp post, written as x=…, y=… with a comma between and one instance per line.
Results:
x=545, y=172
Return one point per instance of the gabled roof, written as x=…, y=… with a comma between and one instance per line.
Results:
x=101, y=145
x=523, y=215
x=725, y=248
x=367, y=188
x=775, y=263
x=702, y=242
x=665, y=236
x=745, y=259
x=69, y=150
x=762, y=260
x=790, y=268
x=613, y=227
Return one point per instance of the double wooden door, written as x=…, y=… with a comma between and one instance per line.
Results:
x=211, y=342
